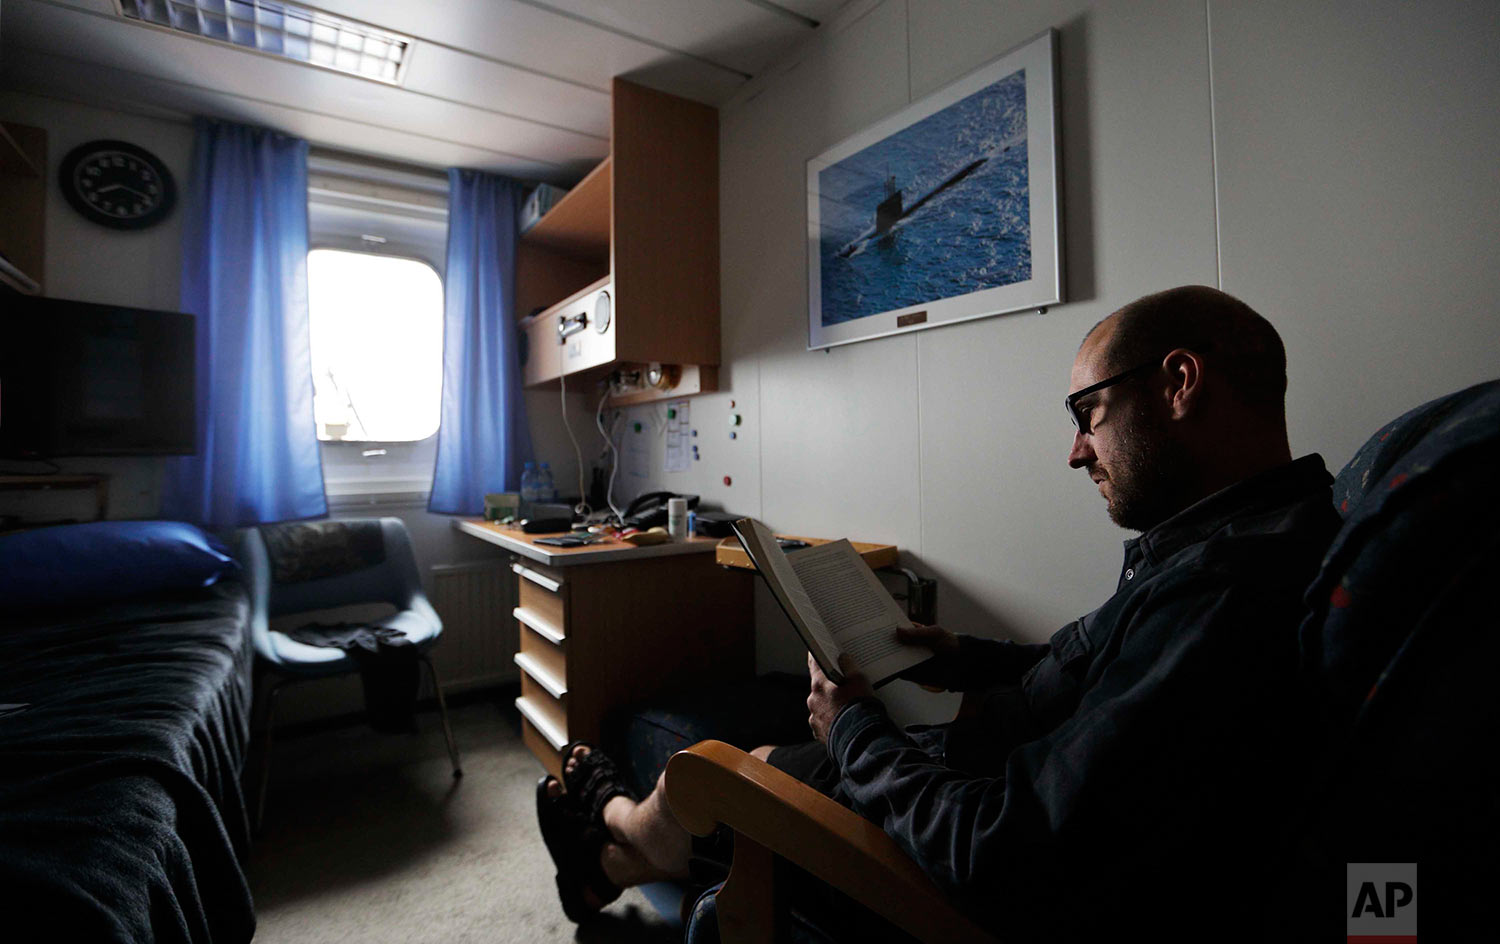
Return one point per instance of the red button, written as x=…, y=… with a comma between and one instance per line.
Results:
x=727, y=480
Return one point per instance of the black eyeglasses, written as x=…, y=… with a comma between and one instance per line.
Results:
x=1080, y=417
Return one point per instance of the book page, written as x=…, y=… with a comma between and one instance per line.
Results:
x=856, y=609
x=790, y=592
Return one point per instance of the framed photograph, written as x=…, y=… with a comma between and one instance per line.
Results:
x=946, y=211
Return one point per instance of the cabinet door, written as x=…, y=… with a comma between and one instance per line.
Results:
x=541, y=354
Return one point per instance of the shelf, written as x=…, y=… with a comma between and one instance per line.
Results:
x=16, y=158
x=16, y=279
x=695, y=380
x=730, y=553
x=578, y=225
x=23, y=206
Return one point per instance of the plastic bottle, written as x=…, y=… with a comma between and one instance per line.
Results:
x=529, y=482
x=545, y=487
x=677, y=515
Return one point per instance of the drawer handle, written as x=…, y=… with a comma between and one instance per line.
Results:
x=540, y=674
x=541, y=580
x=543, y=628
x=544, y=725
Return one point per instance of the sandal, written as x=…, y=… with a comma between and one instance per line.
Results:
x=593, y=781
x=574, y=843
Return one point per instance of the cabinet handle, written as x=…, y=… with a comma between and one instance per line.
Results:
x=570, y=325
x=541, y=580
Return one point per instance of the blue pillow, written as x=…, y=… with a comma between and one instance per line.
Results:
x=104, y=561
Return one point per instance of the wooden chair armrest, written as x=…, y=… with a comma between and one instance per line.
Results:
x=712, y=783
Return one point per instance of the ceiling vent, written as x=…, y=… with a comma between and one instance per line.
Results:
x=282, y=29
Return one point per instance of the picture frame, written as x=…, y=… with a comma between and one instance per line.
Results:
x=946, y=211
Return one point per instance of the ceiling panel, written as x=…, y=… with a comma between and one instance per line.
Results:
x=530, y=36
x=734, y=33
x=78, y=40
x=43, y=74
x=514, y=86
x=820, y=10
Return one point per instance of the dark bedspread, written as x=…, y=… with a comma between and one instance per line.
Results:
x=121, y=815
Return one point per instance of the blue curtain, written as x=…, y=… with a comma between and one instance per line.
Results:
x=244, y=275
x=483, y=438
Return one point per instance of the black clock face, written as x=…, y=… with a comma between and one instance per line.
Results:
x=117, y=184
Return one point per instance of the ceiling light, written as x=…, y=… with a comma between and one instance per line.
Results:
x=282, y=29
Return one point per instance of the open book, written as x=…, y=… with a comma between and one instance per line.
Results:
x=835, y=603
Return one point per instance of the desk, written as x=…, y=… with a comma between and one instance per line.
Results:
x=608, y=625
x=731, y=553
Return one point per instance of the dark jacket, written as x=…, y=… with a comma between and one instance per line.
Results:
x=1136, y=772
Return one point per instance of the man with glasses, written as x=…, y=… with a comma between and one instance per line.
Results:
x=1136, y=771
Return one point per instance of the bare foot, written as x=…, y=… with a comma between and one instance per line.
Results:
x=577, y=754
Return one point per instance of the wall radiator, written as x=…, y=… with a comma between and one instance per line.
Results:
x=474, y=601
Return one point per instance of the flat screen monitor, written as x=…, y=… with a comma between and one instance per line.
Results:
x=78, y=379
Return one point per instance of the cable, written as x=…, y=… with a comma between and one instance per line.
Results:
x=582, y=508
x=609, y=440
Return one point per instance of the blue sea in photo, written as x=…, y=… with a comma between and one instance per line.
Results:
x=973, y=232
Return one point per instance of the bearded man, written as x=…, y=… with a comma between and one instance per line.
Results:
x=1135, y=773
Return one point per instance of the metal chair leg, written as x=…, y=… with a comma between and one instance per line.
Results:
x=265, y=756
x=443, y=712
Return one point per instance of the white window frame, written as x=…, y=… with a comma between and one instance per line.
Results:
x=396, y=204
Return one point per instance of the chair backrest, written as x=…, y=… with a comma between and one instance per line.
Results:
x=384, y=569
x=1415, y=499
x=1400, y=645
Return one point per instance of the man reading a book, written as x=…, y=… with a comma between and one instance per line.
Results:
x=1136, y=771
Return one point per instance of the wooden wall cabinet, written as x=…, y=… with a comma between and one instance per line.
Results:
x=642, y=229
x=23, y=206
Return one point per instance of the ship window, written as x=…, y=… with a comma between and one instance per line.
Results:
x=376, y=324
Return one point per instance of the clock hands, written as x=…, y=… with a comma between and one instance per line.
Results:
x=122, y=187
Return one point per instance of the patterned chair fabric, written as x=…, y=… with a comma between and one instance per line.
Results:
x=1399, y=649
x=1415, y=505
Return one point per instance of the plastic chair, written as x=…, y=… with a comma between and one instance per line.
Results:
x=282, y=660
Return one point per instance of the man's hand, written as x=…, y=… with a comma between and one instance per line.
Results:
x=939, y=640
x=827, y=699
x=940, y=673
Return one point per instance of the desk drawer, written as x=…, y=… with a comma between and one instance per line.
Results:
x=545, y=577
x=546, y=713
x=544, y=601
x=541, y=748
x=543, y=659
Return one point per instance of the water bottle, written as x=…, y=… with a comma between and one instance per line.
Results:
x=529, y=482
x=545, y=488
x=677, y=518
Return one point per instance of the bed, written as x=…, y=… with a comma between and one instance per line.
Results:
x=121, y=812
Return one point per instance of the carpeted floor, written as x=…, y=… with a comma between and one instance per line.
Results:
x=369, y=839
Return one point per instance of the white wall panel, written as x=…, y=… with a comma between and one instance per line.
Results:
x=1021, y=542
x=1360, y=198
x=1353, y=200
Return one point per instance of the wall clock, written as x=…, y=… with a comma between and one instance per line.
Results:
x=117, y=184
